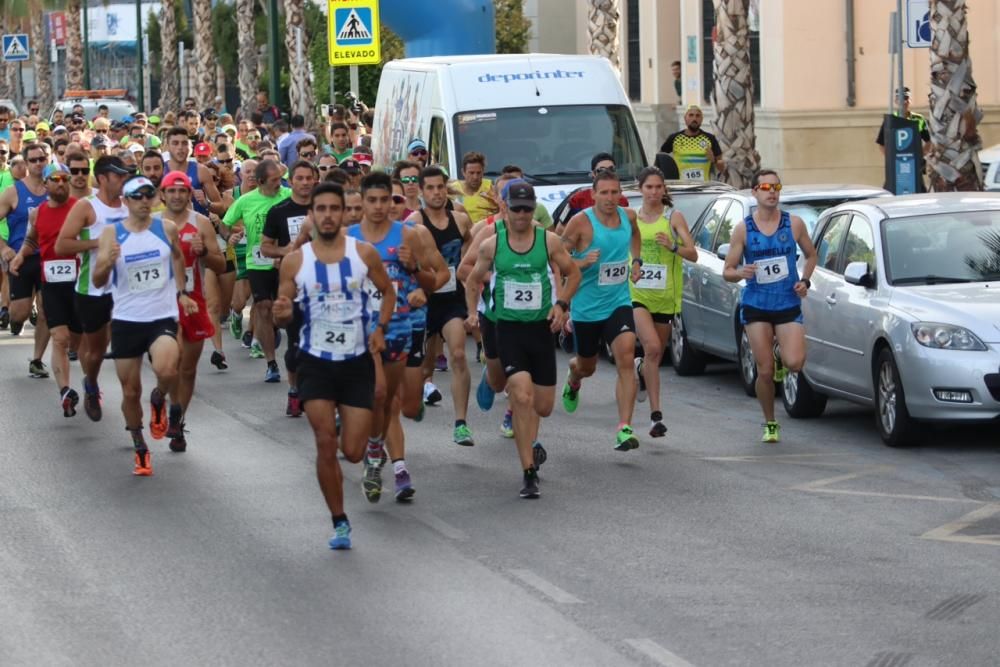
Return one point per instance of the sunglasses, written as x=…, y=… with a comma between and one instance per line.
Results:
x=142, y=194
x=17, y=129
x=79, y=171
x=324, y=167
x=608, y=169
x=398, y=199
x=59, y=178
x=253, y=137
x=768, y=187
x=420, y=152
x=521, y=209
x=100, y=131
x=37, y=160
x=409, y=179
x=229, y=161
x=307, y=156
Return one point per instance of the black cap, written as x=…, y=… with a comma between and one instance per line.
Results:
x=520, y=193
x=350, y=165
x=110, y=164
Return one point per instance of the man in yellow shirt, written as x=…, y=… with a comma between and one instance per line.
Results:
x=474, y=186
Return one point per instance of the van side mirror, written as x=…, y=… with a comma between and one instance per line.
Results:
x=722, y=251
x=857, y=273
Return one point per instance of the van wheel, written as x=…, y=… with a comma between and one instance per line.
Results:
x=800, y=399
x=748, y=365
x=685, y=359
x=893, y=420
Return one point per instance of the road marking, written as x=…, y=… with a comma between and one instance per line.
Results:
x=441, y=526
x=546, y=588
x=657, y=653
x=820, y=486
x=951, y=532
x=773, y=457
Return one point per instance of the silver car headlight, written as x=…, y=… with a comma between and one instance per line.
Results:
x=946, y=336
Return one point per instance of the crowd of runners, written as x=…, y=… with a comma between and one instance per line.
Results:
x=146, y=238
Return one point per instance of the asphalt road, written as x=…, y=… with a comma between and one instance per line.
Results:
x=703, y=548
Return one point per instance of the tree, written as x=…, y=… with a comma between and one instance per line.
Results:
x=74, y=46
x=8, y=75
x=247, y=46
x=955, y=113
x=602, y=27
x=40, y=56
x=512, y=29
x=204, y=53
x=733, y=92
x=170, y=85
x=300, y=90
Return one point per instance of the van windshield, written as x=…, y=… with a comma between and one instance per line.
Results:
x=552, y=144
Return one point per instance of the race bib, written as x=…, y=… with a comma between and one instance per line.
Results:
x=374, y=296
x=652, y=276
x=451, y=285
x=258, y=259
x=337, y=338
x=522, y=296
x=295, y=225
x=613, y=273
x=772, y=270
x=693, y=174
x=223, y=244
x=189, y=279
x=60, y=270
x=146, y=276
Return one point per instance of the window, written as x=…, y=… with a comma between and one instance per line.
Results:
x=830, y=241
x=703, y=237
x=733, y=217
x=708, y=54
x=634, y=52
x=860, y=244
x=438, y=148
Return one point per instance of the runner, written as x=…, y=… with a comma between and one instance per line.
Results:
x=409, y=263
x=446, y=310
x=601, y=238
x=179, y=147
x=283, y=224
x=238, y=242
x=141, y=259
x=58, y=279
x=771, y=303
x=201, y=251
x=336, y=369
x=80, y=235
x=520, y=254
x=79, y=180
x=656, y=296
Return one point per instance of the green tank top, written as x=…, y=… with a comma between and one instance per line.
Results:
x=661, y=279
x=487, y=294
x=522, y=291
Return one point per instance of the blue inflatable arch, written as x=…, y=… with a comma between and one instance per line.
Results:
x=451, y=28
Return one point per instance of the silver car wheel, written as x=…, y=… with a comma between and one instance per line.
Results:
x=791, y=388
x=887, y=398
x=748, y=366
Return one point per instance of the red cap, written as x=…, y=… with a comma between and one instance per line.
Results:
x=202, y=149
x=363, y=158
x=175, y=178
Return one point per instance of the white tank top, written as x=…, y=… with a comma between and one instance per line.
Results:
x=333, y=304
x=143, y=285
x=104, y=215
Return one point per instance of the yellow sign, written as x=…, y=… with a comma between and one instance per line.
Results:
x=354, y=32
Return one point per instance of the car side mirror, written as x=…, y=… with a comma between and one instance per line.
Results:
x=857, y=273
x=722, y=251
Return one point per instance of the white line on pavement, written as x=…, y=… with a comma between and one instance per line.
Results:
x=819, y=486
x=950, y=531
x=546, y=588
x=657, y=653
x=441, y=526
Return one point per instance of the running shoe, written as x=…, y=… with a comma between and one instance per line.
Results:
x=175, y=423
x=371, y=483
x=256, y=351
x=641, y=396
x=179, y=444
x=69, y=401
x=484, y=393
x=441, y=363
x=507, y=425
x=72, y=355
x=92, y=401
x=4, y=318
x=246, y=340
x=236, y=324
x=294, y=406
x=33, y=317
x=657, y=429
x=157, y=414
x=16, y=328
x=272, y=374
x=432, y=396
x=404, y=487
x=219, y=360
x=780, y=372
x=341, y=536
x=772, y=432
x=463, y=436
x=626, y=440
x=570, y=396
x=530, y=488
x=37, y=369
x=421, y=413
x=539, y=455
x=143, y=463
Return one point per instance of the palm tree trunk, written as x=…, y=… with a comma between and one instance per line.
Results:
x=734, y=114
x=205, y=53
x=300, y=92
x=602, y=27
x=40, y=57
x=170, y=84
x=248, y=56
x=74, y=46
x=8, y=71
x=955, y=113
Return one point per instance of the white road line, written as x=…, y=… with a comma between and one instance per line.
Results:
x=819, y=486
x=546, y=588
x=773, y=457
x=820, y=483
x=950, y=531
x=657, y=653
x=441, y=526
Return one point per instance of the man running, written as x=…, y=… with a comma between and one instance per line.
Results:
x=322, y=286
x=141, y=258
x=602, y=238
x=79, y=179
x=201, y=178
x=446, y=311
x=771, y=303
x=520, y=255
x=80, y=236
x=58, y=278
x=201, y=251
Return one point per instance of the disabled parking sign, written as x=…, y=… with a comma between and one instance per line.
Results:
x=354, y=32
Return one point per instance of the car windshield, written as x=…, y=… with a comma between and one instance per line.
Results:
x=117, y=109
x=553, y=143
x=941, y=248
x=810, y=211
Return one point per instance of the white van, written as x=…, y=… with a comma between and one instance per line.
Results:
x=548, y=114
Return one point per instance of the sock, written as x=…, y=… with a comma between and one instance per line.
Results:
x=574, y=385
x=374, y=446
x=137, y=440
x=508, y=411
x=62, y=392
x=530, y=472
x=339, y=518
x=459, y=422
x=656, y=416
x=622, y=425
x=176, y=413
x=398, y=466
x=272, y=364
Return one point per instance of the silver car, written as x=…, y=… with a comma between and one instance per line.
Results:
x=709, y=325
x=904, y=312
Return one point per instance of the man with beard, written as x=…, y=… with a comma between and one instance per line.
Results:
x=694, y=150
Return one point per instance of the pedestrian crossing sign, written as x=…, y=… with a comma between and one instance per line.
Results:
x=354, y=32
x=15, y=48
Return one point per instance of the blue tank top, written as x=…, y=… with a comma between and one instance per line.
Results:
x=605, y=284
x=418, y=316
x=192, y=173
x=17, y=220
x=773, y=286
x=388, y=249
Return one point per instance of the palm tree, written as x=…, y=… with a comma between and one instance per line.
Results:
x=170, y=85
x=955, y=113
x=247, y=47
x=74, y=46
x=40, y=56
x=8, y=71
x=733, y=92
x=602, y=27
x=205, y=53
x=300, y=92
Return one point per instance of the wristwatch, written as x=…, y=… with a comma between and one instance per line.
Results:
x=808, y=283
x=637, y=259
x=384, y=326
x=182, y=292
x=562, y=304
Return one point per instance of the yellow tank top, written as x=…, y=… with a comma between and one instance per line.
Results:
x=689, y=154
x=660, y=283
